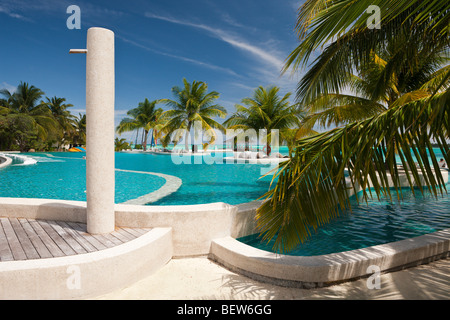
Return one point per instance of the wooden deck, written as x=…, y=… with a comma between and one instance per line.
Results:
x=24, y=239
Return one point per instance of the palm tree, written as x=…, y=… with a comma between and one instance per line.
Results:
x=193, y=104
x=17, y=131
x=121, y=144
x=266, y=110
x=145, y=116
x=312, y=186
x=26, y=101
x=63, y=116
x=371, y=91
x=79, y=132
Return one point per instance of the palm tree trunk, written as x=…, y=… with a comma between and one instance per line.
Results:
x=145, y=140
x=186, y=140
x=137, y=134
x=268, y=148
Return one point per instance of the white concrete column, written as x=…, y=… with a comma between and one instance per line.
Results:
x=100, y=172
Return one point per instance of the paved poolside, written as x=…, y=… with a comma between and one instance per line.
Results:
x=200, y=278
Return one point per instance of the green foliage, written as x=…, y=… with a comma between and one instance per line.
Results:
x=17, y=132
x=312, y=186
x=145, y=116
x=78, y=134
x=28, y=122
x=121, y=144
x=192, y=103
x=267, y=110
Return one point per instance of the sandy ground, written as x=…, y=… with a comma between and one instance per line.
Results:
x=200, y=278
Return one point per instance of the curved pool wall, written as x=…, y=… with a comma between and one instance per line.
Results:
x=324, y=270
x=62, y=176
x=193, y=226
x=329, y=269
x=211, y=229
x=97, y=272
x=5, y=161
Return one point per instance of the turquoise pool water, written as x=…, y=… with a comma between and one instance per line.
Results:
x=377, y=222
x=62, y=175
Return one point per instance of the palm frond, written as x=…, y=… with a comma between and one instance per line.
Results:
x=312, y=188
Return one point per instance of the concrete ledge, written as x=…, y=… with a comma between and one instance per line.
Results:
x=211, y=228
x=403, y=180
x=244, y=219
x=318, y=271
x=172, y=184
x=86, y=275
x=5, y=161
x=44, y=209
x=194, y=226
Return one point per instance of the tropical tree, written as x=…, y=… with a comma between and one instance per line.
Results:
x=121, y=144
x=65, y=119
x=267, y=110
x=193, y=104
x=163, y=134
x=26, y=102
x=145, y=116
x=79, y=132
x=374, y=87
x=311, y=187
x=17, y=132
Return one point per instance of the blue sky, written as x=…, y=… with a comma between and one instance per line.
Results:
x=234, y=46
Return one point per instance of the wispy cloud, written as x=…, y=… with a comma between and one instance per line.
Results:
x=228, y=19
x=7, y=86
x=24, y=9
x=14, y=15
x=262, y=54
x=78, y=110
x=267, y=61
x=178, y=57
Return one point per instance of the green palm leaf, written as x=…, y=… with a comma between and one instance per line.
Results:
x=192, y=103
x=312, y=188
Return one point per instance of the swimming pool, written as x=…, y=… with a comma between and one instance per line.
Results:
x=374, y=223
x=62, y=176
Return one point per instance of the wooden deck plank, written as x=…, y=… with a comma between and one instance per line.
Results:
x=5, y=250
x=68, y=238
x=60, y=242
x=22, y=239
x=122, y=236
x=136, y=232
x=80, y=227
x=14, y=244
x=49, y=243
x=108, y=240
x=25, y=242
x=77, y=236
x=35, y=239
x=89, y=237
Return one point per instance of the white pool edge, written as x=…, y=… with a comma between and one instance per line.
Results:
x=7, y=161
x=323, y=270
x=211, y=229
x=86, y=275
